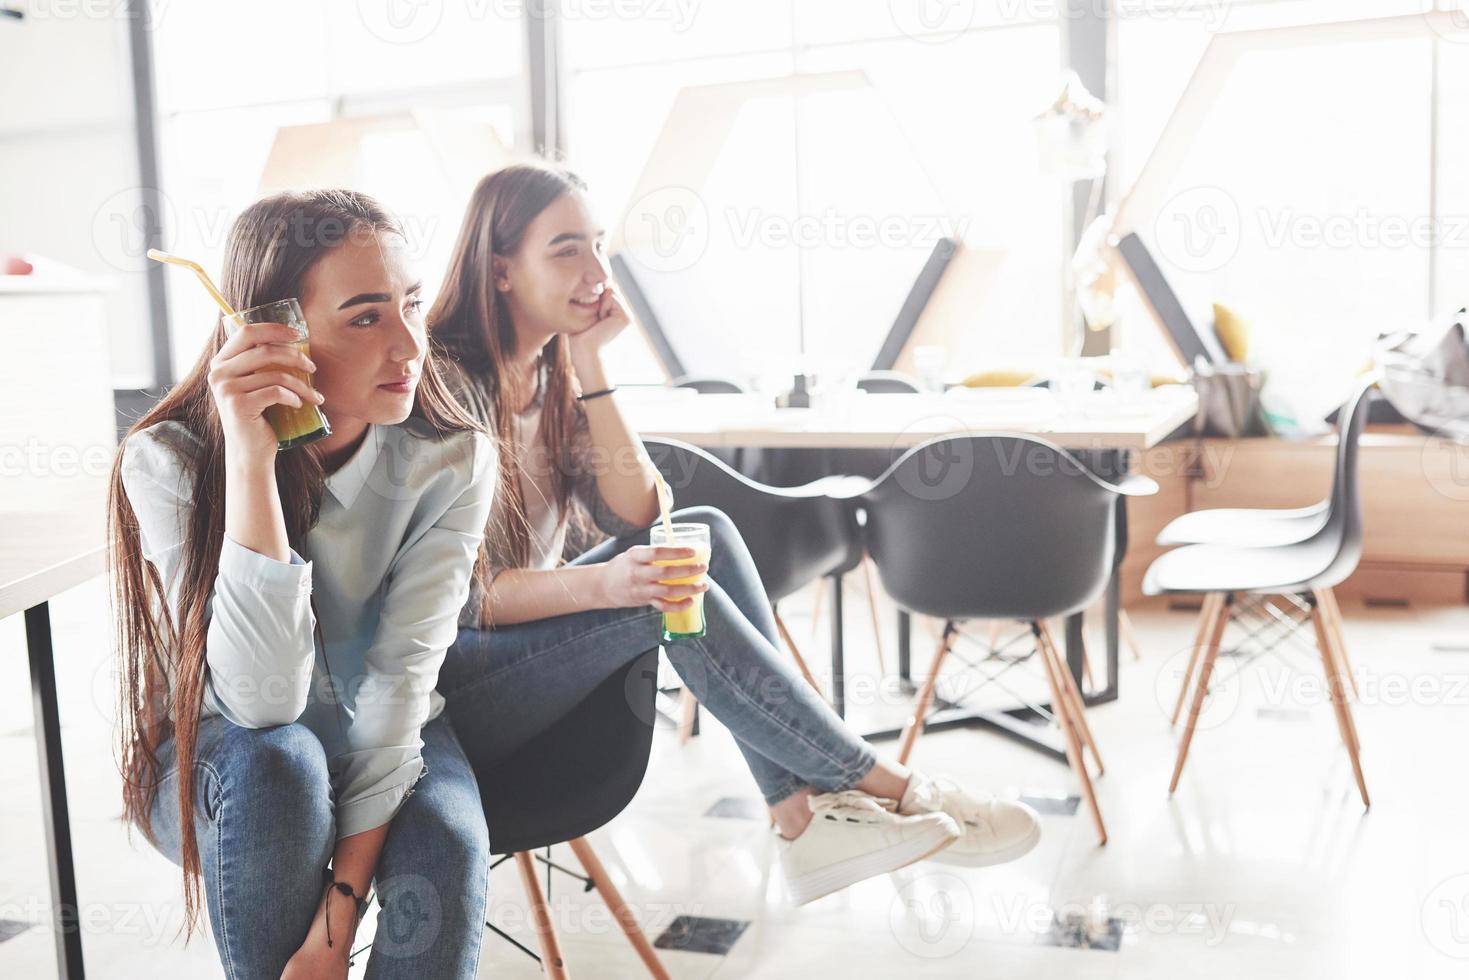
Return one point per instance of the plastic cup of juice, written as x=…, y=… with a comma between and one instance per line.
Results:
x=293, y=426
x=686, y=623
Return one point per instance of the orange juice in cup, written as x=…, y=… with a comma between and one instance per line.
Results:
x=293, y=426
x=687, y=622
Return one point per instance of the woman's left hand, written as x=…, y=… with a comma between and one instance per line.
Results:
x=612, y=319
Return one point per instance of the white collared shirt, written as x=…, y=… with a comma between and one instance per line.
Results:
x=391, y=557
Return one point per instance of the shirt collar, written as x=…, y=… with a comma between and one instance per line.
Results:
x=349, y=479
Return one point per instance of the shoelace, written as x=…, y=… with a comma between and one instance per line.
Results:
x=851, y=799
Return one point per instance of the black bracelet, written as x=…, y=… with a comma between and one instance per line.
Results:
x=596, y=394
x=329, y=881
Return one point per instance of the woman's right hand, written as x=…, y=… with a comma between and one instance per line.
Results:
x=251, y=372
x=631, y=579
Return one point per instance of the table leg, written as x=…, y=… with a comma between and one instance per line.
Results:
x=67, y=928
x=838, y=654
x=905, y=650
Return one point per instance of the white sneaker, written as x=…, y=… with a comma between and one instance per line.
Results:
x=995, y=831
x=853, y=836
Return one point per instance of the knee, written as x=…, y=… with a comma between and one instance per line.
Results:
x=287, y=764
x=722, y=530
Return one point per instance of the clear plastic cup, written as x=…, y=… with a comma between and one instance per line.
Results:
x=293, y=426
x=687, y=623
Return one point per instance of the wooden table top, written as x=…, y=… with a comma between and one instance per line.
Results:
x=869, y=421
x=46, y=549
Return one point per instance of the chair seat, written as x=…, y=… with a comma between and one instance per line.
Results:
x=1245, y=527
x=580, y=773
x=1200, y=568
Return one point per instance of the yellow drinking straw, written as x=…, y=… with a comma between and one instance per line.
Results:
x=663, y=497
x=159, y=256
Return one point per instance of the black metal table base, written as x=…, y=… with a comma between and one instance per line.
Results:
x=66, y=925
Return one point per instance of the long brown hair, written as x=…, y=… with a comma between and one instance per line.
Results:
x=271, y=246
x=471, y=322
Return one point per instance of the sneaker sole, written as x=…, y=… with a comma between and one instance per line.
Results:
x=833, y=878
x=969, y=860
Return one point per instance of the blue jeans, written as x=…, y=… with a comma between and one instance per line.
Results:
x=506, y=685
x=263, y=816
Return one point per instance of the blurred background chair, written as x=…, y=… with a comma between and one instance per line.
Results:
x=795, y=535
x=1238, y=581
x=999, y=528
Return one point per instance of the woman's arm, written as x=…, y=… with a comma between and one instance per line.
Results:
x=624, y=476
x=520, y=595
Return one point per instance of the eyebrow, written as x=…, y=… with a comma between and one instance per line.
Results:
x=361, y=298
x=573, y=236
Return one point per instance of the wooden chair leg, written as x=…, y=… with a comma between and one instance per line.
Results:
x=785, y=634
x=1217, y=622
x=551, y=958
x=914, y=727
x=1065, y=720
x=1206, y=622
x=1124, y=626
x=1086, y=666
x=1072, y=693
x=1337, y=690
x=872, y=595
x=620, y=910
x=688, y=711
x=1334, y=621
x=816, y=607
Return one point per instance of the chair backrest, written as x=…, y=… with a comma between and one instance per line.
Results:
x=709, y=385
x=1340, y=538
x=794, y=535
x=579, y=773
x=994, y=526
x=889, y=383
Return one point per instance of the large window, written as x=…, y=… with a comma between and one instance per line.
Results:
x=863, y=136
x=1308, y=198
x=230, y=74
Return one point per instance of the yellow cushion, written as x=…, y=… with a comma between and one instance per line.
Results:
x=1000, y=378
x=1233, y=332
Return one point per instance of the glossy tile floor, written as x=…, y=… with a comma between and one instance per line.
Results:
x=1263, y=865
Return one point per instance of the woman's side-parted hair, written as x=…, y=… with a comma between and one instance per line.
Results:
x=471, y=322
x=271, y=246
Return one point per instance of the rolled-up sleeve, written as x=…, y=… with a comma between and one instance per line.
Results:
x=428, y=585
x=259, y=647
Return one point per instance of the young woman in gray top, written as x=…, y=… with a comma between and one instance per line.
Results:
x=282, y=615
x=525, y=311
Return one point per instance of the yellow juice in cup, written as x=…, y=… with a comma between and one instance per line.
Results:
x=686, y=623
x=293, y=426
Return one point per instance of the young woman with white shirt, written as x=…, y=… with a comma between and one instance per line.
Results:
x=526, y=308
x=282, y=615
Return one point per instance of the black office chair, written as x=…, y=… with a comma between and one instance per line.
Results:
x=1303, y=573
x=1001, y=527
x=570, y=780
x=795, y=535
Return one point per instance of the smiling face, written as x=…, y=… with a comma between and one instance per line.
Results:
x=555, y=280
x=363, y=310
